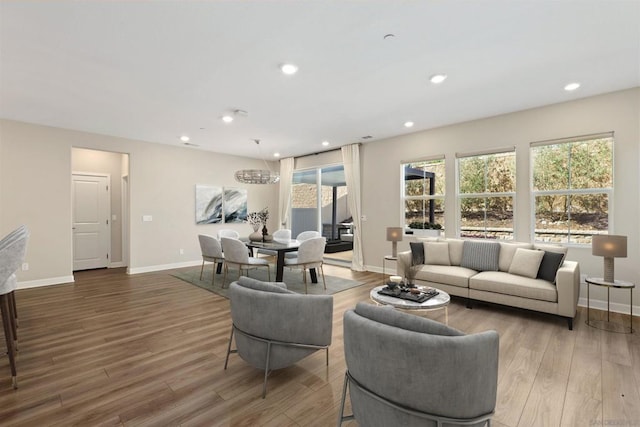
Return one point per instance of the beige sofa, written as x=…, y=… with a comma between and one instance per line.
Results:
x=507, y=273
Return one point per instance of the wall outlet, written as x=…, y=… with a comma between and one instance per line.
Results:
x=583, y=278
x=181, y=251
x=25, y=266
x=147, y=218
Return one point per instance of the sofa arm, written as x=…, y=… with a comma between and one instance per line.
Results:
x=568, y=285
x=404, y=262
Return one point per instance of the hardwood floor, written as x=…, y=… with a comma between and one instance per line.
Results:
x=149, y=349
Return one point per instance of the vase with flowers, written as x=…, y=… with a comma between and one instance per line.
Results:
x=258, y=221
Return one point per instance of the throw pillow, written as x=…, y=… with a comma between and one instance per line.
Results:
x=526, y=262
x=455, y=250
x=551, y=248
x=417, y=253
x=507, y=250
x=480, y=255
x=436, y=253
x=551, y=262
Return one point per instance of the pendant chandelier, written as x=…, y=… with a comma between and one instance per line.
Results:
x=257, y=176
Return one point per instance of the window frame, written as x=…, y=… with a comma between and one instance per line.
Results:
x=609, y=191
x=485, y=195
x=404, y=198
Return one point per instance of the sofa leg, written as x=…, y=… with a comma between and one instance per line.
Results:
x=570, y=322
x=469, y=303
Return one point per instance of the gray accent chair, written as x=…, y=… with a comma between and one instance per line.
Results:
x=274, y=327
x=236, y=254
x=309, y=255
x=405, y=370
x=13, y=248
x=212, y=252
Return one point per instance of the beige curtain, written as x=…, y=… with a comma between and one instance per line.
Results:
x=286, y=176
x=351, y=161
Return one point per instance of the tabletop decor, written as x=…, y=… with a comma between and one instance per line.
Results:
x=258, y=220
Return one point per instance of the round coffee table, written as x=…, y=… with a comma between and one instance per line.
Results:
x=438, y=302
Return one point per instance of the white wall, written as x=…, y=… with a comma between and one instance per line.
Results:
x=618, y=112
x=35, y=189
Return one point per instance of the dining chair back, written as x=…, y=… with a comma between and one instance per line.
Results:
x=211, y=250
x=235, y=253
x=309, y=255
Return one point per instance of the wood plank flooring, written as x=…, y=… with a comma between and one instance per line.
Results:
x=149, y=349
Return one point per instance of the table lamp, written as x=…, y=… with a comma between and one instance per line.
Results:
x=609, y=246
x=394, y=235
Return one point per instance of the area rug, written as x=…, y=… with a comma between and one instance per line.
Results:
x=293, y=279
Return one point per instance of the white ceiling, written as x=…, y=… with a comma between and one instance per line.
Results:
x=155, y=70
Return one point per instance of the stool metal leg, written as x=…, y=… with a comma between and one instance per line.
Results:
x=7, y=322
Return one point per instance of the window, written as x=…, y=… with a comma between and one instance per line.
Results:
x=423, y=187
x=486, y=192
x=572, y=188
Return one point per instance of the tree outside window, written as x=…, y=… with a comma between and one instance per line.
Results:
x=423, y=191
x=486, y=191
x=572, y=188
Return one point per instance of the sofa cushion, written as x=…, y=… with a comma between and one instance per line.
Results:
x=526, y=262
x=436, y=253
x=480, y=255
x=417, y=253
x=507, y=250
x=510, y=284
x=551, y=248
x=448, y=275
x=455, y=250
x=551, y=261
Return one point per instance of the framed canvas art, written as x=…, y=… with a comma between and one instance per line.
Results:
x=209, y=202
x=234, y=205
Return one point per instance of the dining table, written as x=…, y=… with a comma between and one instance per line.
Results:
x=281, y=247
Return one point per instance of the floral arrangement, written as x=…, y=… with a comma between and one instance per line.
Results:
x=258, y=218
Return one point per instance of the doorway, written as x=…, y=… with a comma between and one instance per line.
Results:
x=100, y=227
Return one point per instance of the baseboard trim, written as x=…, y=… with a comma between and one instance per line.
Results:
x=152, y=268
x=117, y=264
x=614, y=307
x=45, y=282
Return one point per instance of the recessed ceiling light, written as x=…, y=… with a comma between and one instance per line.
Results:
x=227, y=118
x=276, y=154
x=289, y=69
x=572, y=86
x=408, y=124
x=438, y=78
x=184, y=138
x=325, y=143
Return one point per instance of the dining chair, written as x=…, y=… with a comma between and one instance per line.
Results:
x=212, y=252
x=305, y=235
x=227, y=232
x=12, y=251
x=310, y=253
x=282, y=235
x=235, y=253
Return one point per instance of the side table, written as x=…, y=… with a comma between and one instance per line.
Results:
x=607, y=325
x=384, y=260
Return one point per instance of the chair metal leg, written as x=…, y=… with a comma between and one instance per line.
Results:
x=224, y=276
x=7, y=322
x=266, y=371
x=201, y=269
x=11, y=303
x=327, y=351
x=341, y=416
x=226, y=360
x=323, y=281
x=213, y=274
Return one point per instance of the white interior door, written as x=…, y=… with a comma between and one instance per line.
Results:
x=91, y=229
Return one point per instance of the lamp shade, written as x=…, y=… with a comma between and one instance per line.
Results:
x=609, y=246
x=394, y=234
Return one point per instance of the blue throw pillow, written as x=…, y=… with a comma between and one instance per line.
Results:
x=480, y=255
